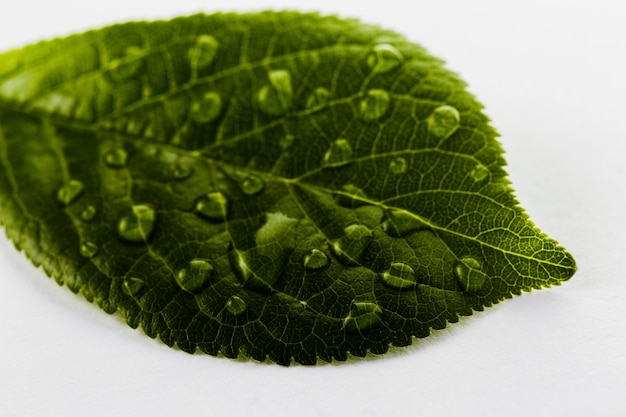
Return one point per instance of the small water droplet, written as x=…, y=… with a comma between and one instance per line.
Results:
x=252, y=185
x=363, y=315
x=338, y=154
x=126, y=67
x=315, y=259
x=182, y=171
x=212, y=206
x=352, y=244
x=286, y=142
x=398, y=166
x=88, y=213
x=207, y=108
x=351, y=196
x=132, y=286
x=384, y=57
x=89, y=249
x=468, y=271
x=70, y=191
x=444, y=121
x=480, y=172
x=136, y=224
x=318, y=99
x=194, y=277
x=374, y=105
x=116, y=158
x=236, y=305
x=275, y=98
x=400, y=276
x=202, y=54
x=400, y=222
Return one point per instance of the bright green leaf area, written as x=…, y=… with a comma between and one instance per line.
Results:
x=278, y=185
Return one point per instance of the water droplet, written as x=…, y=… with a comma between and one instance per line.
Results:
x=89, y=249
x=480, y=172
x=444, y=121
x=400, y=222
x=136, y=224
x=88, y=213
x=398, y=166
x=400, y=276
x=126, y=67
x=70, y=191
x=286, y=142
x=318, y=99
x=384, y=57
x=202, y=54
x=315, y=259
x=338, y=154
x=207, y=108
x=196, y=276
x=236, y=305
x=182, y=171
x=352, y=244
x=362, y=316
x=212, y=206
x=468, y=271
x=132, y=286
x=275, y=98
x=351, y=196
x=116, y=158
x=374, y=105
x=252, y=185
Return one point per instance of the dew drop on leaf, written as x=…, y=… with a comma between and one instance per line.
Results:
x=398, y=166
x=384, y=58
x=400, y=276
x=70, y=192
x=202, y=54
x=116, y=158
x=182, y=171
x=88, y=213
x=374, y=105
x=212, y=206
x=339, y=153
x=318, y=99
x=126, y=67
x=469, y=274
x=400, y=223
x=132, y=286
x=207, y=108
x=195, y=276
x=137, y=223
x=362, y=316
x=444, y=121
x=352, y=244
x=252, y=185
x=236, y=305
x=351, y=196
x=480, y=172
x=315, y=259
x=89, y=249
x=275, y=98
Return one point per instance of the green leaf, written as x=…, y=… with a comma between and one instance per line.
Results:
x=281, y=185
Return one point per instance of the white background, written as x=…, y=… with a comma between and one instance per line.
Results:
x=552, y=75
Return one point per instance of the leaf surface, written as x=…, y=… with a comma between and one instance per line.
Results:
x=280, y=185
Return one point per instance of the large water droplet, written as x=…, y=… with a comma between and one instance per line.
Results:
x=252, y=185
x=318, y=99
x=315, y=259
x=352, y=244
x=401, y=222
x=207, y=108
x=384, y=57
x=398, y=166
x=468, y=271
x=116, y=158
x=374, y=105
x=351, y=196
x=182, y=171
x=480, y=172
x=236, y=305
x=136, y=224
x=338, y=154
x=363, y=315
x=444, y=121
x=194, y=277
x=88, y=213
x=126, y=67
x=275, y=98
x=212, y=206
x=400, y=276
x=132, y=286
x=202, y=54
x=70, y=192
x=89, y=249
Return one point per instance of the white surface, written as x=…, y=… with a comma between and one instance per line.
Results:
x=553, y=78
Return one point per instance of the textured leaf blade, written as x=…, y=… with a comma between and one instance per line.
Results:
x=277, y=184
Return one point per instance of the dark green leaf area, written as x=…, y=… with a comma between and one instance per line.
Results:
x=277, y=185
